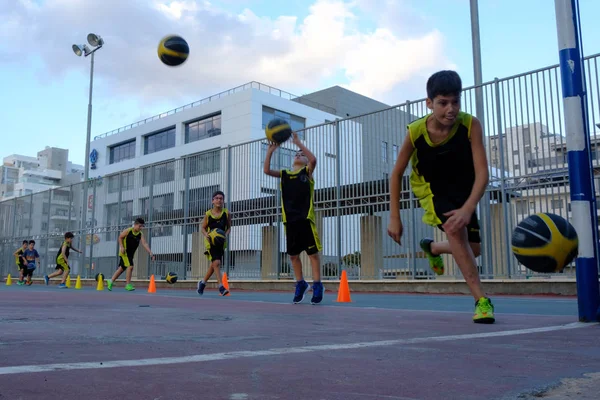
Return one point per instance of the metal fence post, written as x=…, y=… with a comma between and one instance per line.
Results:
x=92, y=226
x=186, y=212
x=30, y=224
x=150, y=215
x=502, y=179
x=228, y=189
x=46, y=257
x=338, y=182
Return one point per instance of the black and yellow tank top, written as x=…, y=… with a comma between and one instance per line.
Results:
x=220, y=222
x=59, y=255
x=132, y=241
x=445, y=168
x=18, y=259
x=297, y=189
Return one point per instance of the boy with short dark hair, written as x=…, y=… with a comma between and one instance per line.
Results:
x=297, y=190
x=62, y=261
x=20, y=261
x=129, y=241
x=449, y=176
x=217, y=217
x=32, y=260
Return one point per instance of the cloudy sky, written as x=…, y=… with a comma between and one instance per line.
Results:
x=384, y=49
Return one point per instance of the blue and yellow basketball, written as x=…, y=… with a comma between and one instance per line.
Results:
x=173, y=50
x=545, y=243
x=278, y=130
x=171, y=278
x=217, y=237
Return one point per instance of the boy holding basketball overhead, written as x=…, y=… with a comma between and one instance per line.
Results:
x=129, y=241
x=297, y=188
x=216, y=218
x=449, y=176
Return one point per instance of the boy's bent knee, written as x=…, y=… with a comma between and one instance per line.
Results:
x=295, y=258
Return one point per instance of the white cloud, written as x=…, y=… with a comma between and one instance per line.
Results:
x=226, y=50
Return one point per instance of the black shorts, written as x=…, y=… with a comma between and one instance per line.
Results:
x=215, y=253
x=23, y=267
x=125, y=260
x=28, y=272
x=302, y=236
x=444, y=205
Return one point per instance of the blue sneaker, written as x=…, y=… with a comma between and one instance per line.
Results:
x=301, y=289
x=223, y=291
x=318, y=291
x=201, y=287
x=47, y=280
x=62, y=286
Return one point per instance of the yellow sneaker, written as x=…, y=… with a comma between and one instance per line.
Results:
x=484, y=311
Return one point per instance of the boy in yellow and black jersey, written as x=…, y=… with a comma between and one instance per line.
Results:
x=21, y=263
x=62, y=261
x=217, y=217
x=129, y=241
x=449, y=176
x=297, y=192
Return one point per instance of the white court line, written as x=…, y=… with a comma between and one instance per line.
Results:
x=28, y=369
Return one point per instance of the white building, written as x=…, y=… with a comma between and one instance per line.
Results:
x=219, y=144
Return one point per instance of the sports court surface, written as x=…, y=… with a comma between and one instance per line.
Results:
x=74, y=344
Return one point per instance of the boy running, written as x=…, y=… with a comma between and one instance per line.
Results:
x=32, y=260
x=297, y=189
x=62, y=261
x=20, y=261
x=449, y=176
x=215, y=218
x=129, y=240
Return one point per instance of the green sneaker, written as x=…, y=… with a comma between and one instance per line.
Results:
x=129, y=287
x=484, y=311
x=435, y=262
x=109, y=283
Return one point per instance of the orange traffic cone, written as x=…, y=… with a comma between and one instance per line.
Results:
x=152, y=286
x=225, y=283
x=344, y=291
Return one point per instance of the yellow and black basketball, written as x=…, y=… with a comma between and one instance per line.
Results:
x=278, y=130
x=173, y=50
x=217, y=237
x=171, y=278
x=545, y=243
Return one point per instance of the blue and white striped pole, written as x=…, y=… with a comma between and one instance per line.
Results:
x=583, y=200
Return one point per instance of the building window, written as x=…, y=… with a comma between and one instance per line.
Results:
x=160, y=205
x=204, y=163
x=122, y=152
x=162, y=173
x=395, y=152
x=159, y=141
x=199, y=200
x=297, y=123
x=127, y=180
x=384, y=152
x=557, y=204
x=282, y=158
x=113, y=183
x=203, y=128
x=116, y=221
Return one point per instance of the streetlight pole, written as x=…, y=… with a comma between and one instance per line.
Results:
x=477, y=69
x=96, y=42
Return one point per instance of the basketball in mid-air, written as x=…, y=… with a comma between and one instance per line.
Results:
x=278, y=130
x=545, y=243
x=173, y=50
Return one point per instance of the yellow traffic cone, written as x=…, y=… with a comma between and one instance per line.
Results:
x=78, y=283
x=68, y=281
x=8, y=280
x=100, y=282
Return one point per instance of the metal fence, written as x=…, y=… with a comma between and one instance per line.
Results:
x=526, y=148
